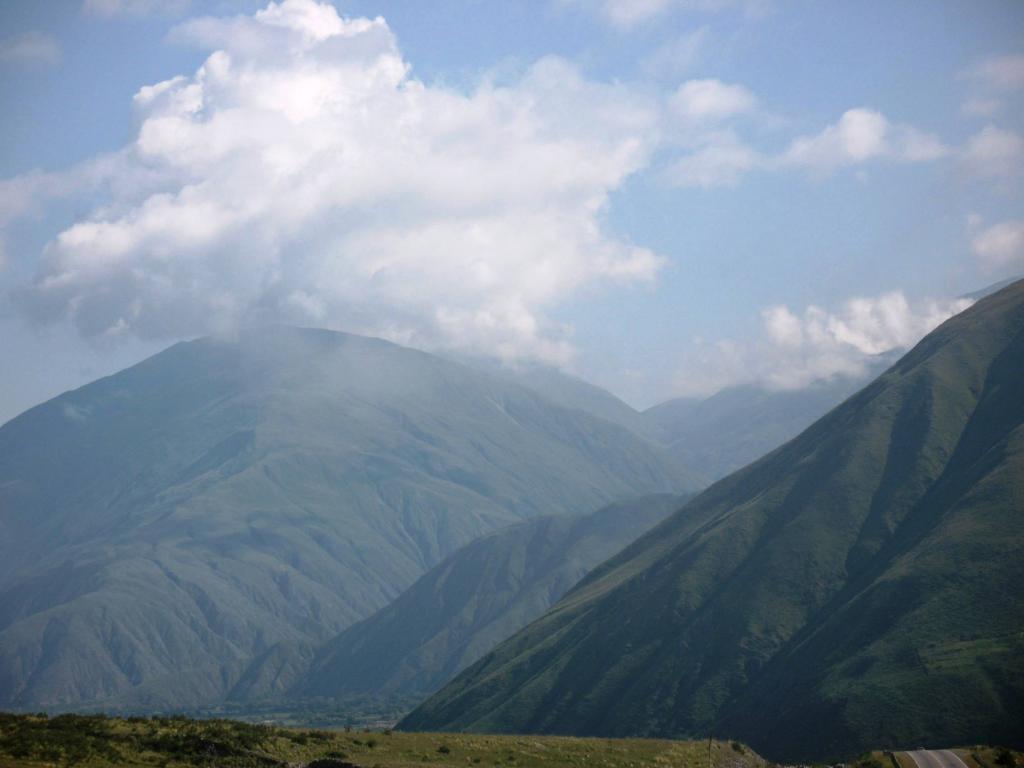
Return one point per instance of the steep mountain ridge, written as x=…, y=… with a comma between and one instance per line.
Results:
x=859, y=587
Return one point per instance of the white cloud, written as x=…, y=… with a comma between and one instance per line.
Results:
x=799, y=348
x=1001, y=245
x=710, y=101
x=28, y=194
x=994, y=152
x=30, y=48
x=861, y=135
x=301, y=174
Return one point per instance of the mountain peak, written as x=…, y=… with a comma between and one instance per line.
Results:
x=233, y=494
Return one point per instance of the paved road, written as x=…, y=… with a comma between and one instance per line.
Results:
x=936, y=758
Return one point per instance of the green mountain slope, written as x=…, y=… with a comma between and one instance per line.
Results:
x=476, y=598
x=162, y=528
x=859, y=587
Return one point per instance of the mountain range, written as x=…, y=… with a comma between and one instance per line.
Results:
x=166, y=528
x=288, y=516
x=857, y=588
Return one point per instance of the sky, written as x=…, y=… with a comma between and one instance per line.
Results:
x=665, y=197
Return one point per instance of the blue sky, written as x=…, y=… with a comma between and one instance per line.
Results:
x=665, y=196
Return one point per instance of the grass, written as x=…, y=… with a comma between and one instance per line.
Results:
x=94, y=741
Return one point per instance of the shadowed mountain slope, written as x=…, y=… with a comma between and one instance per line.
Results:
x=163, y=527
x=476, y=598
x=860, y=587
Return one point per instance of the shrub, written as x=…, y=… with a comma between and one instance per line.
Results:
x=443, y=749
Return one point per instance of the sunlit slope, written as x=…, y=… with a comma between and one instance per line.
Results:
x=473, y=600
x=161, y=528
x=862, y=586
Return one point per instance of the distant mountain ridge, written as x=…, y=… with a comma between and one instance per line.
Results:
x=858, y=588
x=162, y=528
x=709, y=437
x=739, y=424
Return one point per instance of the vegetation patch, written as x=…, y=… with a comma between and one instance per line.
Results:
x=97, y=741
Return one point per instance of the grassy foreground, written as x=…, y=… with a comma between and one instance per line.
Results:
x=90, y=741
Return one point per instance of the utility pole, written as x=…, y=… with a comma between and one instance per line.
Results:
x=709, y=751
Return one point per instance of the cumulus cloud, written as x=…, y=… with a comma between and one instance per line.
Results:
x=797, y=348
x=30, y=48
x=30, y=193
x=303, y=175
x=710, y=100
x=861, y=135
x=1000, y=246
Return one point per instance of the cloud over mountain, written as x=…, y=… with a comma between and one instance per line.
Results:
x=796, y=348
x=303, y=173
x=306, y=174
